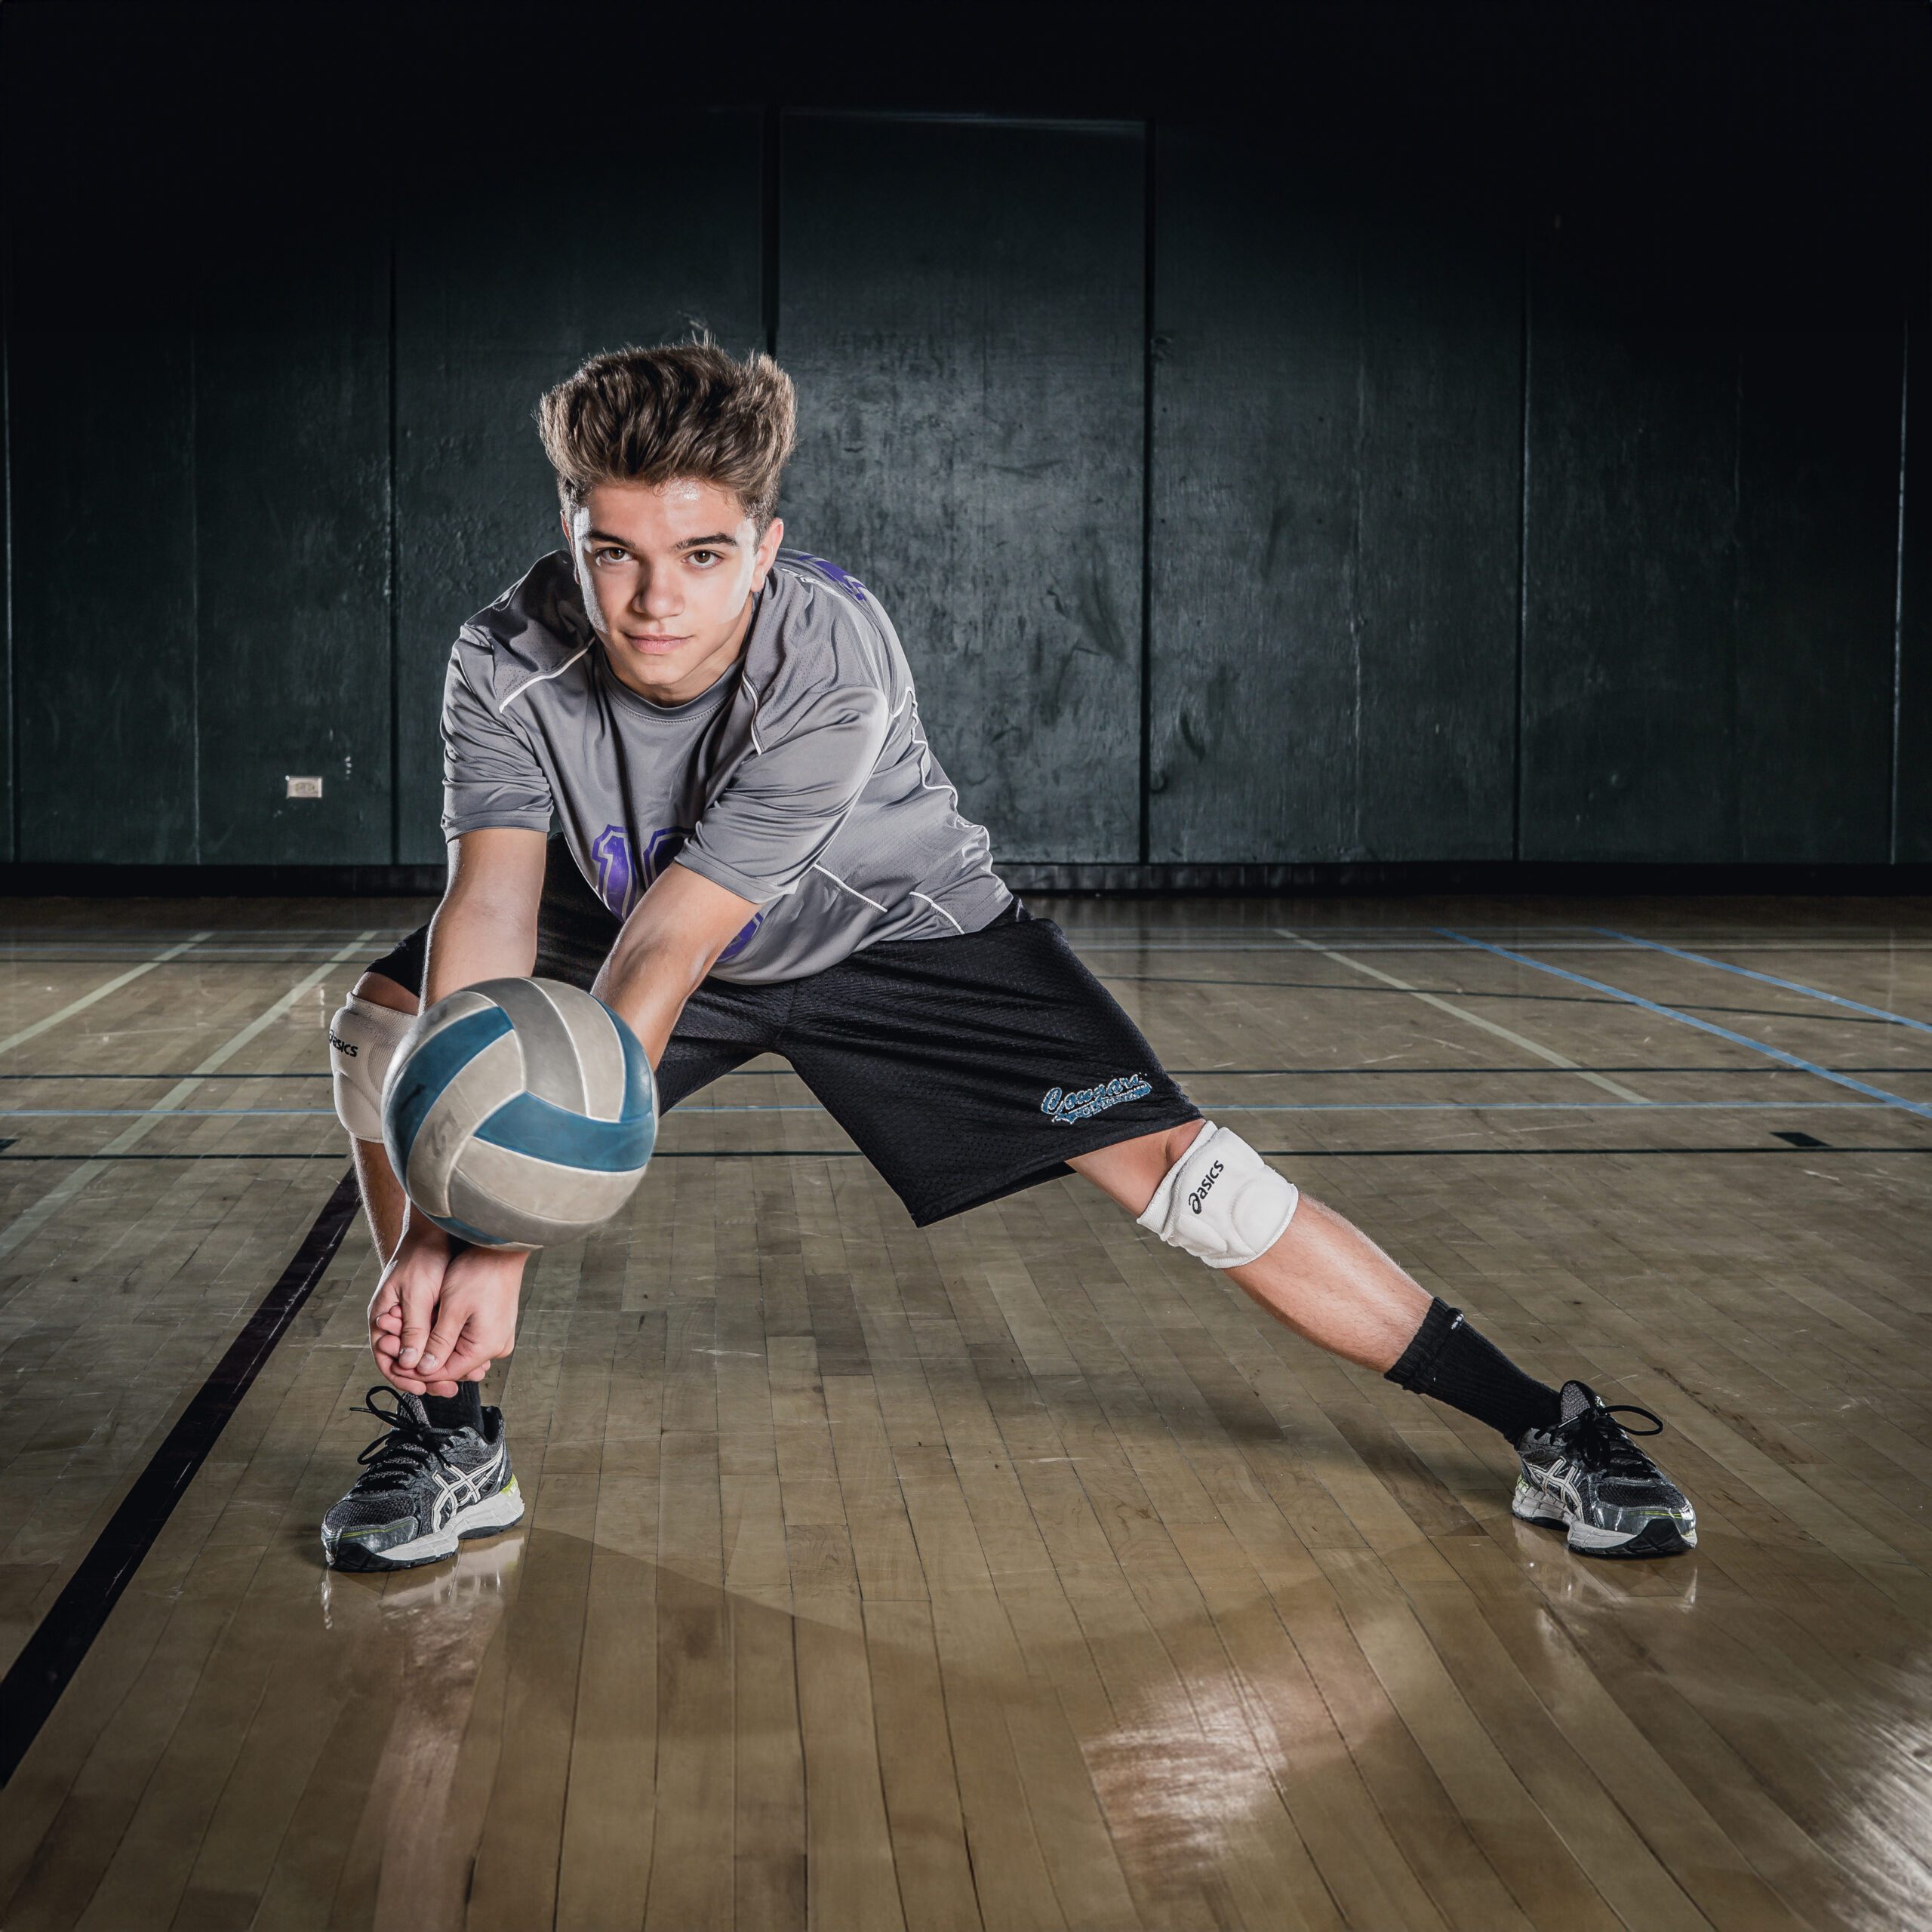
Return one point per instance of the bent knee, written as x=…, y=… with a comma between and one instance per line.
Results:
x=363, y=1037
x=1221, y=1202
x=378, y=989
x=1177, y=1141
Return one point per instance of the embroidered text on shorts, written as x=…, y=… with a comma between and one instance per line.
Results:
x=1067, y=1108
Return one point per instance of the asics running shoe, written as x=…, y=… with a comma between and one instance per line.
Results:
x=1587, y=1473
x=421, y=1489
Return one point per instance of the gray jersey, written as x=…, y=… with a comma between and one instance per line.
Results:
x=801, y=780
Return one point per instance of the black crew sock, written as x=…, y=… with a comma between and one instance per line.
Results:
x=1449, y=1360
x=464, y=1410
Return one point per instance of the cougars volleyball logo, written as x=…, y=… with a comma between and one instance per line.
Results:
x=1064, y=1109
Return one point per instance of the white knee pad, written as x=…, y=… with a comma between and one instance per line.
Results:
x=363, y=1038
x=1221, y=1202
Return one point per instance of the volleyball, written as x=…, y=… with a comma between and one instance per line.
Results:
x=520, y=1113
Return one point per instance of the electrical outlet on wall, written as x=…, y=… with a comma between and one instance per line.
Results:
x=305, y=788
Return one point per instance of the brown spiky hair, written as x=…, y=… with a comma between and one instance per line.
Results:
x=684, y=409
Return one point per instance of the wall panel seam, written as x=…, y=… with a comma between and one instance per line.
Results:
x=194, y=578
x=1149, y=362
x=7, y=506
x=769, y=185
x=1522, y=540
x=395, y=586
x=1898, y=587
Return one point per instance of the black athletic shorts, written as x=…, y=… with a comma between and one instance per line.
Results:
x=965, y=1068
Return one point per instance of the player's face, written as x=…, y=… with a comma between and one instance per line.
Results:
x=667, y=572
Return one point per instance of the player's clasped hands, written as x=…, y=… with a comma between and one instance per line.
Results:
x=442, y=1312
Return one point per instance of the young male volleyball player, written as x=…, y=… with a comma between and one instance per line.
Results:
x=757, y=851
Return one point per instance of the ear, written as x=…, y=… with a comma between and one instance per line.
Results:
x=767, y=550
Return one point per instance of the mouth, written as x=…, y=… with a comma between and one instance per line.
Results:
x=653, y=644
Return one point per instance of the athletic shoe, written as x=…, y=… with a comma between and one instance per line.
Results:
x=1588, y=1473
x=421, y=1491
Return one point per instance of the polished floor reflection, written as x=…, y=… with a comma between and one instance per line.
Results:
x=1015, y=1572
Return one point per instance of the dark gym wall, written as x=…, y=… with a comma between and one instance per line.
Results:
x=508, y=273
x=972, y=388
x=1453, y=434
x=1337, y=439
x=1714, y=389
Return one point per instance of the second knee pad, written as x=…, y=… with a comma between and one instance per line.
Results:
x=363, y=1038
x=1221, y=1202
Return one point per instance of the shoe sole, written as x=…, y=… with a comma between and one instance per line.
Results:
x=1659, y=1537
x=490, y=1517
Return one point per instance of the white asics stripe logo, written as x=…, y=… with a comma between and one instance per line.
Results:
x=1553, y=1478
x=464, y=1487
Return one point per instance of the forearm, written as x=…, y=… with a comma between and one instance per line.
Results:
x=646, y=981
x=477, y=935
x=672, y=939
x=484, y=929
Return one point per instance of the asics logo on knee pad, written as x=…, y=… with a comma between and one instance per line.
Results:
x=1208, y=1179
x=1221, y=1202
x=363, y=1038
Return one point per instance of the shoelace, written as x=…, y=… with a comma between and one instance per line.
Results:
x=404, y=1447
x=1598, y=1430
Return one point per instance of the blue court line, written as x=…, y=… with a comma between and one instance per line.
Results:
x=1218, y=1107
x=1769, y=979
x=1921, y=1108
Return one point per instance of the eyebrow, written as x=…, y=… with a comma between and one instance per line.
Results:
x=720, y=540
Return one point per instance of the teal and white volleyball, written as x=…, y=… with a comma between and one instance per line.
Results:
x=520, y=1113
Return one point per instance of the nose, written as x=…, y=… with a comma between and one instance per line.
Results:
x=655, y=596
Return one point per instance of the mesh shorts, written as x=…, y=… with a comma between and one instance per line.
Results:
x=965, y=1068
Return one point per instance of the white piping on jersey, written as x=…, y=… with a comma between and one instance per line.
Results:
x=538, y=678
x=852, y=889
x=941, y=911
x=926, y=753
x=744, y=679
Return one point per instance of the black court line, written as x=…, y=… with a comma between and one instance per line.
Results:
x=62, y=1639
x=1471, y=992
x=1179, y=1072
x=1306, y=1153
x=854, y=1153
x=1324, y=1153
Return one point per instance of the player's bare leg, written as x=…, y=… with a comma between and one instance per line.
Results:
x=1324, y=1278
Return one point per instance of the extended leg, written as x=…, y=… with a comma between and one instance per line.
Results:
x=1204, y=1189
x=1324, y=1278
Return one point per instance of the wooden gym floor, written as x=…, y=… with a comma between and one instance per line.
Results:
x=1016, y=1573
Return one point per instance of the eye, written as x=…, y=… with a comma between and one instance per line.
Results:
x=607, y=553
x=712, y=555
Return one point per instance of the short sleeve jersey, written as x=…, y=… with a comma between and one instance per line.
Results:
x=802, y=779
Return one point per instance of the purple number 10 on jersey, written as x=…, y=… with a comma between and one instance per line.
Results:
x=620, y=884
